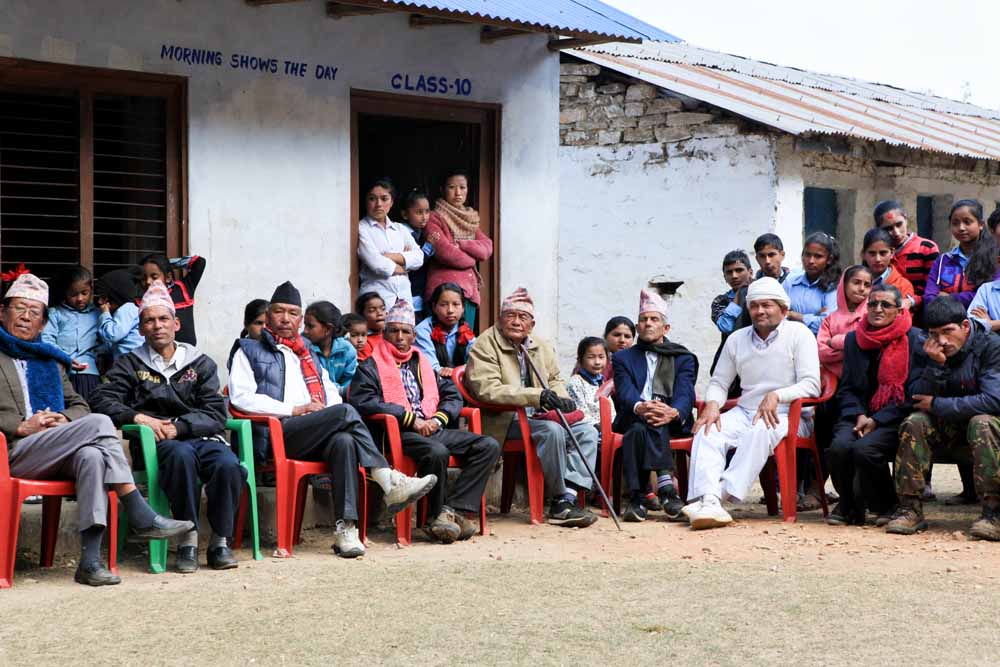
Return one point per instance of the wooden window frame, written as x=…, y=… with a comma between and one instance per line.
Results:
x=488, y=117
x=87, y=82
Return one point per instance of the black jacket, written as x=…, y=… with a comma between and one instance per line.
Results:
x=968, y=384
x=190, y=398
x=860, y=380
x=366, y=395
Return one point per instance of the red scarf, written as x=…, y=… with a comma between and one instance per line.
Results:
x=314, y=381
x=439, y=336
x=369, y=348
x=895, y=364
x=388, y=359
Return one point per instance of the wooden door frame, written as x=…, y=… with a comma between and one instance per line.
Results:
x=488, y=117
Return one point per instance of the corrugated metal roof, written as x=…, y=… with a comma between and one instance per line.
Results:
x=798, y=101
x=576, y=17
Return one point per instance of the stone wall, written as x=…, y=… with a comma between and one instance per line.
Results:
x=600, y=108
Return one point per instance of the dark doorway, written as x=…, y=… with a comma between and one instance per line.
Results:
x=821, y=211
x=415, y=141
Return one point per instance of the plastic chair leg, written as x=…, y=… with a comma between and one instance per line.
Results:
x=770, y=490
x=536, y=485
x=51, y=509
x=483, y=529
x=302, y=493
x=240, y=523
x=784, y=456
x=511, y=464
x=250, y=490
x=112, y=531
x=285, y=507
x=10, y=520
x=681, y=463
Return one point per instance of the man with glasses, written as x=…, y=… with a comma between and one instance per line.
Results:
x=957, y=403
x=882, y=359
x=498, y=373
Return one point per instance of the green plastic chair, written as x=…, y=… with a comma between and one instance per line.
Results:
x=240, y=428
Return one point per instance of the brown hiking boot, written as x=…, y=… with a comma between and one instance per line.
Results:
x=987, y=527
x=467, y=528
x=908, y=517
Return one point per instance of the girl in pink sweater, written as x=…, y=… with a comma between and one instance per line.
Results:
x=459, y=244
x=852, y=304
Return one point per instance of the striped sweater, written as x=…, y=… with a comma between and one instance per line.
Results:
x=913, y=260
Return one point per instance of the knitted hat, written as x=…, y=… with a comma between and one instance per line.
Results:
x=401, y=313
x=28, y=286
x=766, y=288
x=287, y=294
x=157, y=295
x=519, y=300
x=652, y=302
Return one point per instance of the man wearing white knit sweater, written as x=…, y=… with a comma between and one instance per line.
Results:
x=778, y=362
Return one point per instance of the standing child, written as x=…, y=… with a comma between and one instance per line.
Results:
x=416, y=211
x=385, y=248
x=72, y=327
x=583, y=386
x=356, y=328
x=769, y=251
x=961, y=270
x=118, y=323
x=912, y=255
x=813, y=290
x=158, y=267
x=254, y=319
x=323, y=329
x=444, y=337
x=371, y=306
x=459, y=243
x=876, y=254
x=726, y=308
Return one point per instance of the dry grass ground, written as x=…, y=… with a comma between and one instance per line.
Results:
x=760, y=592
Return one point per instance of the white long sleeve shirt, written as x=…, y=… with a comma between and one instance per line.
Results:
x=243, y=387
x=376, y=269
x=787, y=362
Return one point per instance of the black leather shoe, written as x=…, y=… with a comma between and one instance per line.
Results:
x=95, y=574
x=161, y=529
x=222, y=558
x=187, y=560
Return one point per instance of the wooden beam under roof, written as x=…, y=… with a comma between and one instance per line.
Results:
x=490, y=35
x=421, y=21
x=339, y=10
x=258, y=3
x=577, y=42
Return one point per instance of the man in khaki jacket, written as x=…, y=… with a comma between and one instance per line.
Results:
x=497, y=373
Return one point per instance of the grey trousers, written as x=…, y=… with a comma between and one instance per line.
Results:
x=88, y=451
x=560, y=461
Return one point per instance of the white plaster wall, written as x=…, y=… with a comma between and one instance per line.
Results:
x=269, y=155
x=630, y=213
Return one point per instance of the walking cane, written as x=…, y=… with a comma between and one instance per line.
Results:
x=572, y=437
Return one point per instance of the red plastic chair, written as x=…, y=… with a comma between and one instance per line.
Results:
x=611, y=444
x=784, y=458
x=407, y=466
x=13, y=491
x=514, y=451
x=291, y=476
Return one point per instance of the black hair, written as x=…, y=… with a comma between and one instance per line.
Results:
x=412, y=197
x=445, y=287
x=362, y=301
x=994, y=220
x=982, y=264
x=587, y=343
x=973, y=204
x=616, y=322
x=851, y=271
x=161, y=261
x=765, y=240
x=328, y=314
x=65, y=279
x=254, y=309
x=891, y=289
x=875, y=235
x=381, y=182
x=884, y=207
x=448, y=173
x=350, y=319
x=45, y=308
x=831, y=274
x=944, y=310
x=120, y=286
x=736, y=256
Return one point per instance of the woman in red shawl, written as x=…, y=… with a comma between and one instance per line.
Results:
x=881, y=360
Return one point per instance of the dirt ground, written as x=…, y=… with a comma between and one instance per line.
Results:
x=758, y=592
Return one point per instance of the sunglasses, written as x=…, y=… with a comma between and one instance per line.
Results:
x=881, y=305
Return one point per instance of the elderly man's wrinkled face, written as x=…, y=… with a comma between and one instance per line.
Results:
x=159, y=326
x=284, y=319
x=400, y=336
x=24, y=318
x=516, y=326
x=651, y=327
x=766, y=315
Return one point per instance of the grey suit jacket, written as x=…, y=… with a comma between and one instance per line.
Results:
x=12, y=400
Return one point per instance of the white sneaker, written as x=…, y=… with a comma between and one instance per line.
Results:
x=406, y=490
x=346, y=543
x=711, y=514
x=691, y=508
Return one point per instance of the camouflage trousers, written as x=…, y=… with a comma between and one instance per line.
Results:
x=923, y=438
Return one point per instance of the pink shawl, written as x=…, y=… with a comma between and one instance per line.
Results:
x=835, y=328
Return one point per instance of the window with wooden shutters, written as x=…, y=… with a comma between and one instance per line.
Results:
x=90, y=167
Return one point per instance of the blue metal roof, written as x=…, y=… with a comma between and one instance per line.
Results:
x=577, y=18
